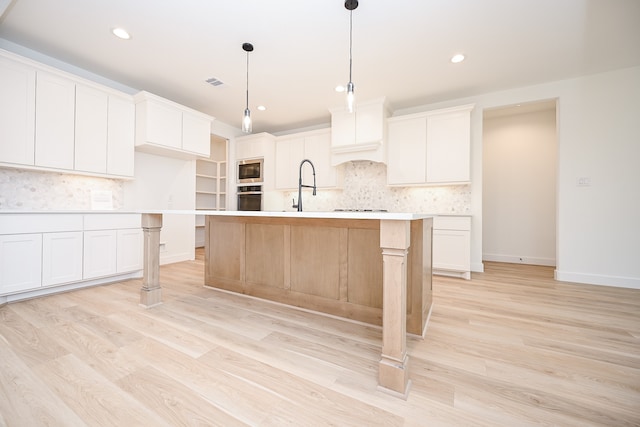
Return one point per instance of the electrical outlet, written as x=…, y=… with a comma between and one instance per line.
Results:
x=584, y=181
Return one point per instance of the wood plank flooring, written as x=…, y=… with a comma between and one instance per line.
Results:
x=511, y=347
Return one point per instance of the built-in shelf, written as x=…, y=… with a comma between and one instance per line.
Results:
x=211, y=183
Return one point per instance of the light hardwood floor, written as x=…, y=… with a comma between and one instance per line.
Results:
x=511, y=347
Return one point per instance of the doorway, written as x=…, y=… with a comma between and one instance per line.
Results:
x=519, y=183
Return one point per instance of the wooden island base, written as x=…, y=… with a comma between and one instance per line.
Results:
x=376, y=271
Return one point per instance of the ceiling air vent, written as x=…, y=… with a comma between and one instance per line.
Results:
x=215, y=82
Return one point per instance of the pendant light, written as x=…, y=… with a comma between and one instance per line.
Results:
x=350, y=5
x=246, y=118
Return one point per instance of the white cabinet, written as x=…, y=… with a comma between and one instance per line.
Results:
x=120, y=136
x=449, y=145
x=407, y=150
x=52, y=120
x=359, y=135
x=312, y=145
x=91, y=130
x=430, y=148
x=169, y=129
x=130, y=250
x=55, y=111
x=104, y=132
x=20, y=262
x=61, y=257
x=39, y=252
x=99, y=253
x=452, y=246
x=17, y=112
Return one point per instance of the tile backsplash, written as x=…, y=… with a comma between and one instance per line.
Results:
x=33, y=190
x=365, y=187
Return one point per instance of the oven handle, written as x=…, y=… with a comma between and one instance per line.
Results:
x=249, y=192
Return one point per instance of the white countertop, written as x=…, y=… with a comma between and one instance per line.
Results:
x=306, y=214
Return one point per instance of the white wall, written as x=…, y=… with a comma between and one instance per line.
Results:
x=598, y=137
x=166, y=183
x=519, y=188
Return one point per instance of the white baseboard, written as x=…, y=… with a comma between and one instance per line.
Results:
x=477, y=267
x=598, y=279
x=515, y=259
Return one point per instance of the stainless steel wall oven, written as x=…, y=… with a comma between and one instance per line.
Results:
x=250, y=198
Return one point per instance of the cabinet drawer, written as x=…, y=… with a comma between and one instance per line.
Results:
x=452, y=223
x=39, y=223
x=111, y=221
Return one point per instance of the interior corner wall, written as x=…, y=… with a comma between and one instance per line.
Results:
x=599, y=174
x=166, y=183
x=519, y=188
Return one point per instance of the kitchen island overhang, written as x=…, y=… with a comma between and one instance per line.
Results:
x=373, y=267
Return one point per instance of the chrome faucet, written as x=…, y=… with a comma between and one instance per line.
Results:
x=300, y=185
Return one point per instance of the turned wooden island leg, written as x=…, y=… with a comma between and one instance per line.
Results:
x=393, y=368
x=151, y=292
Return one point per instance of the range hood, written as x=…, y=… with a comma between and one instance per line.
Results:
x=360, y=135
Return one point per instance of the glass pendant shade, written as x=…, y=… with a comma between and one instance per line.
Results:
x=246, y=121
x=350, y=97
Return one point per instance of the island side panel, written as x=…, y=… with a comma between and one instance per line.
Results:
x=265, y=255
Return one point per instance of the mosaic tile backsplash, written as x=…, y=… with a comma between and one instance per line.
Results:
x=365, y=187
x=32, y=190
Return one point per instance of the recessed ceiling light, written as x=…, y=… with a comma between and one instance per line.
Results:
x=340, y=88
x=121, y=33
x=457, y=58
x=261, y=107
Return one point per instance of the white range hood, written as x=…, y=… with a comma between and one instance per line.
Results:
x=360, y=135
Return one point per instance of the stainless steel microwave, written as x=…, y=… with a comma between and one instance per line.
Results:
x=250, y=171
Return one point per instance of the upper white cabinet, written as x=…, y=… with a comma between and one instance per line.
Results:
x=430, y=148
x=360, y=135
x=120, y=136
x=17, y=112
x=55, y=118
x=91, y=129
x=169, y=129
x=449, y=145
x=52, y=120
x=407, y=150
x=312, y=145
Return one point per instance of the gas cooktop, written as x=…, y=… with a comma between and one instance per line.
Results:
x=360, y=210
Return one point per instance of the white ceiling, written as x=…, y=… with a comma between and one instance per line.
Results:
x=401, y=50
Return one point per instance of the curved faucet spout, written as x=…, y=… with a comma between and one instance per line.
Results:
x=300, y=185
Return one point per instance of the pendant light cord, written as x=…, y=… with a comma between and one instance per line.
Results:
x=247, y=80
x=350, y=42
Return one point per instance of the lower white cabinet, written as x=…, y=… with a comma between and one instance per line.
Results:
x=130, y=250
x=452, y=246
x=61, y=257
x=40, y=252
x=99, y=253
x=20, y=262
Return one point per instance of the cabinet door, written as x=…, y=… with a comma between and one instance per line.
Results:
x=369, y=123
x=61, y=257
x=164, y=125
x=407, y=151
x=196, y=134
x=120, y=136
x=55, y=111
x=317, y=148
x=99, y=253
x=91, y=130
x=17, y=112
x=289, y=154
x=343, y=128
x=448, y=147
x=451, y=250
x=130, y=250
x=20, y=262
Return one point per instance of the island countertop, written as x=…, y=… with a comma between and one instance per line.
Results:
x=401, y=216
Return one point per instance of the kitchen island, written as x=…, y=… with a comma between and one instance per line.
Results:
x=373, y=267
